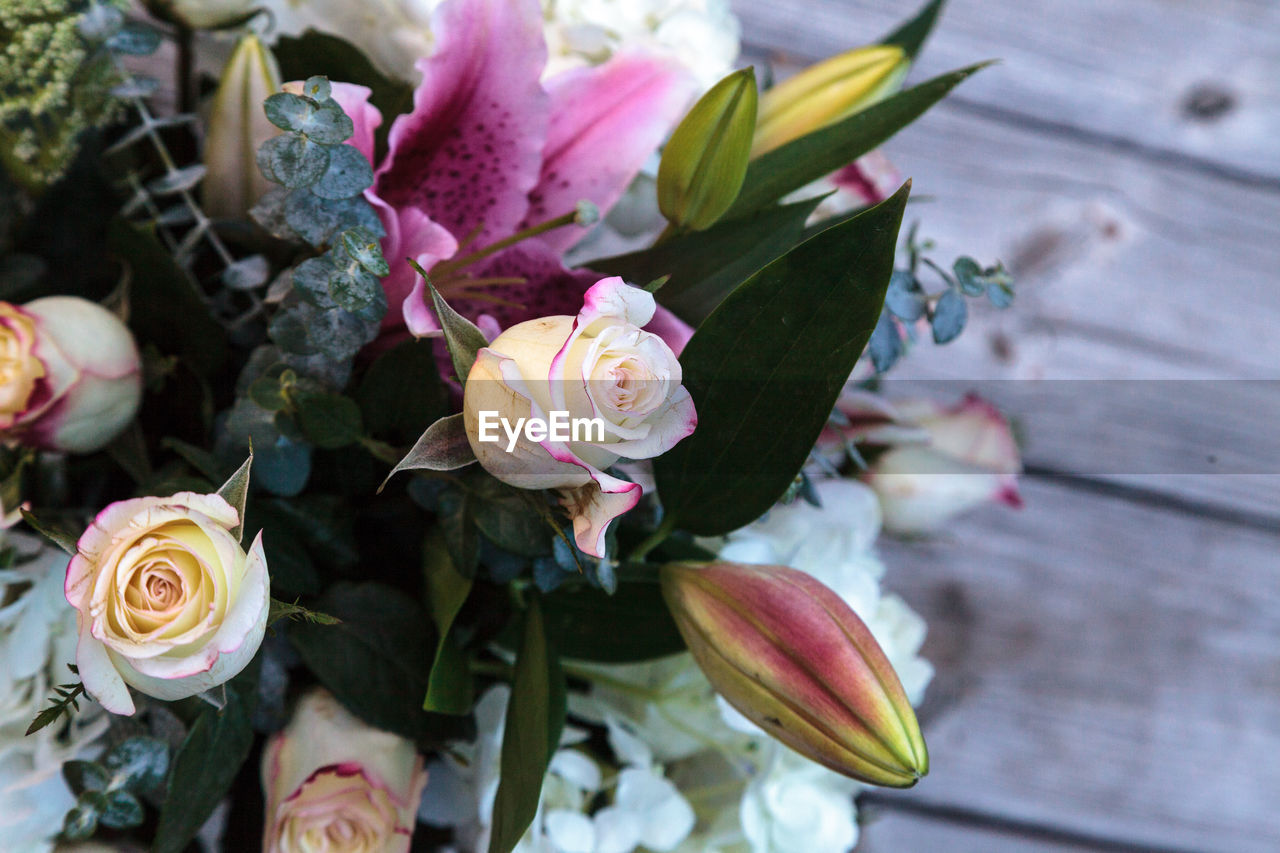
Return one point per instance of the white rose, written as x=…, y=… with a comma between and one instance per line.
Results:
x=70, y=374
x=168, y=600
x=334, y=783
x=598, y=368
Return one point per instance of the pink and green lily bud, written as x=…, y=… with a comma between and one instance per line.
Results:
x=334, y=783
x=70, y=374
x=237, y=128
x=827, y=92
x=789, y=654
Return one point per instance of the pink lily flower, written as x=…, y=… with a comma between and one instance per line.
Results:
x=489, y=151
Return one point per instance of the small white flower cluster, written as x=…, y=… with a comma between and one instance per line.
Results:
x=693, y=775
x=37, y=641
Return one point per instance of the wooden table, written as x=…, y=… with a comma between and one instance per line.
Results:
x=1109, y=658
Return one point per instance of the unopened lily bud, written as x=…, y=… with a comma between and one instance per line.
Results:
x=824, y=93
x=789, y=654
x=237, y=128
x=705, y=161
x=201, y=14
x=70, y=374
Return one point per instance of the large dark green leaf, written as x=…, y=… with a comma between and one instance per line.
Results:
x=766, y=367
x=203, y=770
x=912, y=34
x=315, y=53
x=631, y=625
x=165, y=308
x=402, y=395
x=810, y=157
x=449, y=690
x=535, y=716
x=706, y=265
x=377, y=660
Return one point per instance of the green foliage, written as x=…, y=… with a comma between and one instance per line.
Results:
x=912, y=34
x=449, y=687
x=785, y=341
x=461, y=336
x=804, y=160
x=631, y=625
x=206, y=764
x=108, y=790
x=534, y=719
x=402, y=394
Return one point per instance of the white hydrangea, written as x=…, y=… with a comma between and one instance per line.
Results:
x=703, y=35
x=37, y=641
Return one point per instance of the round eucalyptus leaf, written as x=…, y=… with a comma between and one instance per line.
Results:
x=949, y=317
x=84, y=776
x=330, y=421
x=293, y=161
x=969, y=275
x=122, y=811
x=288, y=111
x=139, y=763
x=317, y=87
x=328, y=124
x=904, y=298
x=311, y=281
x=349, y=174
x=353, y=289
x=1000, y=294
x=362, y=246
x=80, y=823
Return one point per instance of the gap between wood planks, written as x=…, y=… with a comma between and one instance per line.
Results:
x=874, y=803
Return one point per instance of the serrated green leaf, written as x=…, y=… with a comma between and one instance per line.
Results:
x=784, y=342
x=534, y=719
x=203, y=769
x=783, y=170
x=705, y=161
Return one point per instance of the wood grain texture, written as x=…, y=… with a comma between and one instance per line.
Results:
x=1105, y=668
x=905, y=832
x=1178, y=78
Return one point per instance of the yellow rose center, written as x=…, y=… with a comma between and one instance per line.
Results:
x=19, y=368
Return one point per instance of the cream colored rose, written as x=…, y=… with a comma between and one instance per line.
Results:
x=70, y=374
x=333, y=783
x=615, y=388
x=168, y=600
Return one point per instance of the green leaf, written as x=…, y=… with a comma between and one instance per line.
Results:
x=81, y=822
x=296, y=612
x=203, y=769
x=456, y=514
x=122, y=811
x=165, y=308
x=362, y=246
x=779, y=172
x=949, y=317
x=509, y=518
x=139, y=763
x=330, y=421
x=317, y=86
x=288, y=111
x=629, y=626
x=349, y=174
x=84, y=776
x=461, y=336
x=443, y=447
x=376, y=661
x=329, y=125
x=449, y=688
x=705, y=266
x=912, y=34
x=292, y=161
x=235, y=491
x=339, y=60
x=535, y=716
x=57, y=536
x=766, y=367
x=402, y=395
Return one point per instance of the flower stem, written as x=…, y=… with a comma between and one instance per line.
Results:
x=654, y=539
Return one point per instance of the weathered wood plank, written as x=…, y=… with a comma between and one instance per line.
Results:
x=1195, y=78
x=1104, y=668
x=898, y=832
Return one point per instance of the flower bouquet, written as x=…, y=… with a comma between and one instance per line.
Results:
x=453, y=428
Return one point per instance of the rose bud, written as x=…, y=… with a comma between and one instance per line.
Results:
x=970, y=457
x=827, y=92
x=705, y=161
x=614, y=389
x=333, y=783
x=793, y=658
x=237, y=127
x=70, y=374
x=167, y=599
